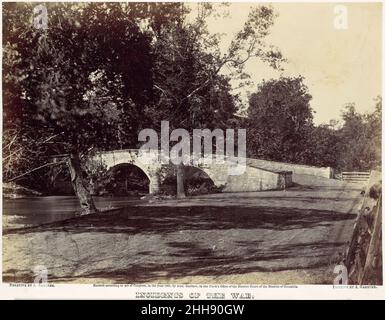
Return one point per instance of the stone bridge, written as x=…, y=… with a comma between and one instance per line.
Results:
x=258, y=175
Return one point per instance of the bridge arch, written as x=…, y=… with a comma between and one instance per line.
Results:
x=217, y=174
x=197, y=180
x=195, y=177
x=145, y=162
x=125, y=175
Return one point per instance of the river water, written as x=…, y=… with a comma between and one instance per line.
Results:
x=33, y=211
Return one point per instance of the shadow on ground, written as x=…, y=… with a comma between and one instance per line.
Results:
x=154, y=243
x=191, y=260
x=163, y=219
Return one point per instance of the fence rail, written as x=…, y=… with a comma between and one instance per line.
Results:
x=364, y=254
x=354, y=176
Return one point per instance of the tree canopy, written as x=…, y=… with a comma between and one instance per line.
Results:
x=280, y=120
x=280, y=127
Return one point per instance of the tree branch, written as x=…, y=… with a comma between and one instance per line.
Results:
x=35, y=169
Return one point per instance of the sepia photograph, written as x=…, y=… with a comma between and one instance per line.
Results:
x=191, y=143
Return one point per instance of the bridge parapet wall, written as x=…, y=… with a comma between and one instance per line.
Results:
x=252, y=179
x=297, y=169
x=256, y=179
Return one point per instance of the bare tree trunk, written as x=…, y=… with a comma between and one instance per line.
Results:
x=86, y=202
x=180, y=192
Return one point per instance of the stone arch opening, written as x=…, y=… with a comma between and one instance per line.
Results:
x=197, y=182
x=124, y=179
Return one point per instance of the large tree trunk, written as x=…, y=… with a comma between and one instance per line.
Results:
x=180, y=192
x=86, y=202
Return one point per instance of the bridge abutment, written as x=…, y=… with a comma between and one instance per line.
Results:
x=154, y=185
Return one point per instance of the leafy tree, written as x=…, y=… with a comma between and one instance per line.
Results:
x=355, y=145
x=323, y=148
x=85, y=79
x=190, y=90
x=280, y=120
x=374, y=132
x=360, y=147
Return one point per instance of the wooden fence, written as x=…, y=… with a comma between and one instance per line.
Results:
x=355, y=176
x=364, y=254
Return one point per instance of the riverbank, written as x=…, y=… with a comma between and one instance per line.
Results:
x=285, y=237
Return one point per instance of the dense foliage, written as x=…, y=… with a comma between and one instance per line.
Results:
x=280, y=127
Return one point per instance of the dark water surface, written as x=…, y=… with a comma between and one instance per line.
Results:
x=38, y=210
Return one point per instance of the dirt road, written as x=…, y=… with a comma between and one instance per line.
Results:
x=286, y=237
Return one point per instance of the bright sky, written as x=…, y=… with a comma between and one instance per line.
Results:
x=339, y=66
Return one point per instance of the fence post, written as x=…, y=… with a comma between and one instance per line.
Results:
x=374, y=246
